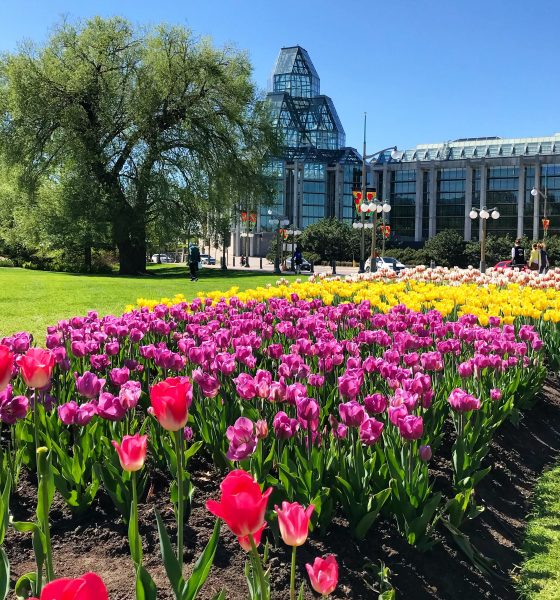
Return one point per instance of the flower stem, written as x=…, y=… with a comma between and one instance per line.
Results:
x=260, y=572
x=293, y=575
x=180, y=499
x=137, y=549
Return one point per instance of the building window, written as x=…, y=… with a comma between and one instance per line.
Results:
x=501, y=193
x=450, y=204
x=403, y=204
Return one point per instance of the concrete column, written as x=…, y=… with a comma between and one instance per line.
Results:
x=537, y=202
x=483, y=189
x=386, y=191
x=520, y=200
x=296, y=198
x=338, y=193
x=433, y=201
x=468, y=202
x=418, y=205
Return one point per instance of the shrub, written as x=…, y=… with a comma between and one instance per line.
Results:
x=6, y=262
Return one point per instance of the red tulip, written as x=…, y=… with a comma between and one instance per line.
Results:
x=87, y=587
x=242, y=504
x=293, y=521
x=132, y=451
x=323, y=574
x=170, y=400
x=6, y=364
x=36, y=367
x=244, y=541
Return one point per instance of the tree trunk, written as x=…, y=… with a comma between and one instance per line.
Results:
x=130, y=235
x=87, y=258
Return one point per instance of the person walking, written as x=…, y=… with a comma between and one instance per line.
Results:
x=518, y=255
x=534, y=258
x=298, y=260
x=543, y=259
x=194, y=260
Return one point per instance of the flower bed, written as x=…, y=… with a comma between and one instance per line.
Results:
x=330, y=394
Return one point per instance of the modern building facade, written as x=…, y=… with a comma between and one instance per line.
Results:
x=315, y=176
x=435, y=186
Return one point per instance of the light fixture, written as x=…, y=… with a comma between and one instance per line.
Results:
x=473, y=214
x=371, y=207
x=484, y=214
x=273, y=221
x=284, y=222
x=495, y=214
x=369, y=225
x=365, y=207
x=534, y=192
x=386, y=207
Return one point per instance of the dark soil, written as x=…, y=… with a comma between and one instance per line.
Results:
x=97, y=541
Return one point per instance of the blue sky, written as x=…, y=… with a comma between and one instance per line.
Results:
x=424, y=70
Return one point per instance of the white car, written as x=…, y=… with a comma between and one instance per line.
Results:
x=206, y=259
x=386, y=262
x=162, y=258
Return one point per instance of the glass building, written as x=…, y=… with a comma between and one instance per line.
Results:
x=316, y=173
x=434, y=186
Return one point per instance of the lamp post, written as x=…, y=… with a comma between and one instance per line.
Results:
x=545, y=221
x=484, y=214
x=395, y=155
x=277, y=222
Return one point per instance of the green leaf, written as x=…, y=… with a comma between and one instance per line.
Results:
x=368, y=519
x=134, y=540
x=170, y=562
x=25, y=586
x=419, y=525
x=202, y=566
x=145, y=586
x=5, y=508
x=4, y=575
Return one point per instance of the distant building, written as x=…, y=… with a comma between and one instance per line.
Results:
x=316, y=173
x=434, y=187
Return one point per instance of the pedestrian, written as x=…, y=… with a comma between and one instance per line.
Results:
x=534, y=258
x=194, y=260
x=297, y=260
x=543, y=259
x=518, y=255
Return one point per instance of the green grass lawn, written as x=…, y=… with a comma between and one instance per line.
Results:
x=31, y=300
x=540, y=574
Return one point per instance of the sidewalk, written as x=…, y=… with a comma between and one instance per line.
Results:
x=267, y=267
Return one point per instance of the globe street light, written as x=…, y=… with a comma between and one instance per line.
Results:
x=546, y=222
x=484, y=214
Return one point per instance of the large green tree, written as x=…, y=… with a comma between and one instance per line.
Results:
x=147, y=116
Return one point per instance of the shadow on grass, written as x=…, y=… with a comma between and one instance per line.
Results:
x=180, y=272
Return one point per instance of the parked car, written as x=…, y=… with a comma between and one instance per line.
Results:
x=506, y=264
x=385, y=262
x=162, y=258
x=305, y=265
x=206, y=259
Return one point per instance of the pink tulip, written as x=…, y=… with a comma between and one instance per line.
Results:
x=12, y=407
x=110, y=407
x=89, y=385
x=323, y=574
x=36, y=367
x=411, y=427
x=375, y=404
x=6, y=365
x=351, y=413
x=242, y=439
x=209, y=385
x=261, y=428
x=171, y=399
x=132, y=451
x=87, y=587
x=495, y=394
x=244, y=541
x=284, y=427
x=129, y=394
x=120, y=376
x=67, y=412
x=425, y=453
x=462, y=401
x=293, y=521
x=370, y=431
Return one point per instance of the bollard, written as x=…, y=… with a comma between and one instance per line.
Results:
x=312, y=267
x=334, y=267
x=260, y=261
x=234, y=260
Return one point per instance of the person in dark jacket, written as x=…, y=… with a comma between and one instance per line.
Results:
x=518, y=255
x=543, y=259
x=194, y=260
